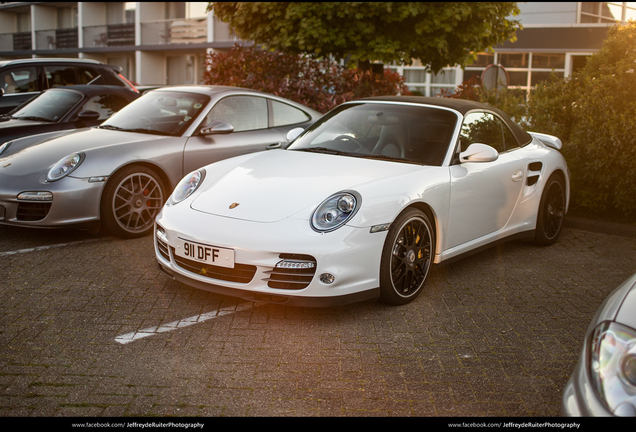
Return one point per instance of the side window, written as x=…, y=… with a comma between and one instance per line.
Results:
x=19, y=80
x=480, y=127
x=283, y=114
x=105, y=105
x=509, y=139
x=86, y=75
x=243, y=112
x=59, y=76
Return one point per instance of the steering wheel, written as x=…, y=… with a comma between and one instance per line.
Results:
x=348, y=138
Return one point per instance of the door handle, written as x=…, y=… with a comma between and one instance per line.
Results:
x=517, y=175
x=273, y=146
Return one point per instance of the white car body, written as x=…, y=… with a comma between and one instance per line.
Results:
x=258, y=206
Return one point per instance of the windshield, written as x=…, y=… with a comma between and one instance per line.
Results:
x=404, y=133
x=157, y=112
x=50, y=106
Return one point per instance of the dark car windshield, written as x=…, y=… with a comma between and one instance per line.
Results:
x=404, y=133
x=157, y=112
x=50, y=106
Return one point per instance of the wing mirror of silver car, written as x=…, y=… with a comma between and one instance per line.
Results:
x=478, y=153
x=217, y=127
x=293, y=134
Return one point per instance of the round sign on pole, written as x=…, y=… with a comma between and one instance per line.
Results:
x=494, y=77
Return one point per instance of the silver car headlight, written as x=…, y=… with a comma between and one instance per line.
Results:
x=334, y=212
x=187, y=186
x=64, y=167
x=5, y=146
x=613, y=367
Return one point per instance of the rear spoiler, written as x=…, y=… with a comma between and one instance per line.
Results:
x=549, y=140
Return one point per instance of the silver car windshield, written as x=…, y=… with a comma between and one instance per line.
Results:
x=160, y=113
x=49, y=106
x=403, y=133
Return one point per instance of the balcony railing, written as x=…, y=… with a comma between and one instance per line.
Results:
x=56, y=39
x=174, y=31
x=109, y=35
x=21, y=41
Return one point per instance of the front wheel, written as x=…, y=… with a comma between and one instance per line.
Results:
x=407, y=258
x=131, y=200
x=551, y=212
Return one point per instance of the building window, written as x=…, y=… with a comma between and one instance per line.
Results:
x=606, y=12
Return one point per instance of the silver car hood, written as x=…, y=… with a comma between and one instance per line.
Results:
x=26, y=156
x=277, y=184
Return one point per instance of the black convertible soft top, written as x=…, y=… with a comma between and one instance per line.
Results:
x=462, y=106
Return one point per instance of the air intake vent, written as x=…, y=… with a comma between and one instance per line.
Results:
x=31, y=212
x=293, y=272
x=241, y=273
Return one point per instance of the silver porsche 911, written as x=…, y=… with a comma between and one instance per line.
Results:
x=120, y=173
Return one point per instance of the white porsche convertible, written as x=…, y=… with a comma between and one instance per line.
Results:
x=363, y=203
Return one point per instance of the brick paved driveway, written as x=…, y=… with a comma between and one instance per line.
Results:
x=90, y=327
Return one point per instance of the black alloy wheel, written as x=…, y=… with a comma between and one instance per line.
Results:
x=551, y=212
x=407, y=257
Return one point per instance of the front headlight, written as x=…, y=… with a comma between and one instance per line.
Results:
x=613, y=367
x=64, y=167
x=5, y=146
x=187, y=186
x=334, y=212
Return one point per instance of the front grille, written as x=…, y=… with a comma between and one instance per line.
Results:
x=31, y=212
x=241, y=273
x=292, y=278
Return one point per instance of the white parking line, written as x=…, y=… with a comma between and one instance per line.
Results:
x=151, y=331
x=41, y=248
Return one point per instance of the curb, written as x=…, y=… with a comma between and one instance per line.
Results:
x=600, y=226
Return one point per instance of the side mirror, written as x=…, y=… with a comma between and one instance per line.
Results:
x=293, y=134
x=217, y=127
x=88, y=116
x=478, y=153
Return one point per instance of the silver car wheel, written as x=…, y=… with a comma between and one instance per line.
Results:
x=133, y=199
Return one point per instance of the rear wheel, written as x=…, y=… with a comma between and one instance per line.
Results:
x=131, y=200
x=551, y=212
x=407, y=258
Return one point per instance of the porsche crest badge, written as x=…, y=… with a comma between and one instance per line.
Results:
x=233, y=205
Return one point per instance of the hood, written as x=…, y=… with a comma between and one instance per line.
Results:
x=31, y=155
x=277, y=184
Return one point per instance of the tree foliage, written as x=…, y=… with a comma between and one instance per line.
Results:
x=320, y=84
x=437, y=33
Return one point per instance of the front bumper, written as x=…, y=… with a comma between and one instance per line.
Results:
x=75, y=202
x=351, y=255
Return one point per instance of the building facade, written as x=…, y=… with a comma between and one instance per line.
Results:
x=556, y=38
x=155, y=43
x=166, y=42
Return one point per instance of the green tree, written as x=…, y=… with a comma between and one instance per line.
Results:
x=437, y=33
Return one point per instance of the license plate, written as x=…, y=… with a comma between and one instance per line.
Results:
x=205, y=254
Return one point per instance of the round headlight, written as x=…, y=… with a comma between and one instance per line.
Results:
x=64, y=167
x=187, y=186
x=613, y=366
x=334, y=212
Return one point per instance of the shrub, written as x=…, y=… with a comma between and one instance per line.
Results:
x=317, y=83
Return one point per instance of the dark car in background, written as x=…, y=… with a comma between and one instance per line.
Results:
x=62, y=108
x=21, y=80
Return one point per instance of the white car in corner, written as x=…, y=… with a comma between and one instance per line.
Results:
x=363, y=203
